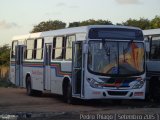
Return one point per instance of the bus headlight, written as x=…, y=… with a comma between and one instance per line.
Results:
x=93, y=83
x=138, y=85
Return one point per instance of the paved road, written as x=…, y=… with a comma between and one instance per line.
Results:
x=15, y=100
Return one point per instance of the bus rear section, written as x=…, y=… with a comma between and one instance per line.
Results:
x=16, y=60
x=152, y=39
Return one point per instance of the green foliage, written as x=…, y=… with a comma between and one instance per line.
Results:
x=141, y=23
x=4, y=55
x=95, y=22
x=6, y=83
x=74, y=24
x=90, y=22
x=48, y=25
x=155, y=23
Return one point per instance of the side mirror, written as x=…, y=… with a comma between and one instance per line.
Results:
x=85, y=48
x=147, y=45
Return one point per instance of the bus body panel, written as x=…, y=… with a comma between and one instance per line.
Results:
x=12, y=72
x=59, y=70
x=49, y=76
x=36, y=74
x=152, y=36
x=153, y=58
x=112, y=92
x=152, y=63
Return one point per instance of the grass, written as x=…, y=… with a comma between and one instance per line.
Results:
x=6, y=84
x=4, y=75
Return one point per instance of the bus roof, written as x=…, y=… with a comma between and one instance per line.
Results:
x=151, y=32
x=82, y=29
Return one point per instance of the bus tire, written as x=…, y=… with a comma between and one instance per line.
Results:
x=29, y=91
x=155, y=89
x=67, y=93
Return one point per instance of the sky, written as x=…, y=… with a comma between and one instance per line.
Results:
x=17, y=17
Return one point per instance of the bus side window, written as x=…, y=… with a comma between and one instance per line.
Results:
x=39, y=49
x=147, y=39
x=155, y=49
x=30, y=49
x=14, y=43
x=57, y=48
x=69, y=40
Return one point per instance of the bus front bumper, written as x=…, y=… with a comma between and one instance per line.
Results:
x=116, y=94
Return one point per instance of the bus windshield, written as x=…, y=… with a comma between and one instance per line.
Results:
x=116, y=57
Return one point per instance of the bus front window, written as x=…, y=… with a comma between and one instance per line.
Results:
x=116, y=57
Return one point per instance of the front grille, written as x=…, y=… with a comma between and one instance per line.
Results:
x=118, y=93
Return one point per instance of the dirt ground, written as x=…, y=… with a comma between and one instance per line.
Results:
x=15, y=101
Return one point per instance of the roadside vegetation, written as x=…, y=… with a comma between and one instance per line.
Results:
x=142, y=23
x=6, y=84
x=4, y=66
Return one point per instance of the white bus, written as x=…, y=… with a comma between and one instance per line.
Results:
x=152, y=36
x=90, y=62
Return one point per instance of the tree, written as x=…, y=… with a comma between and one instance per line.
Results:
x=74, y=24
x=4, y=55
x=48, y=25
x=155, y=23
x=90, y=22
x=141, y=23
x=95, y=22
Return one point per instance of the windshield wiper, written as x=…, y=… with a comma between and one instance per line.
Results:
x=125, y=50
x=106, y=48
x=128, y=46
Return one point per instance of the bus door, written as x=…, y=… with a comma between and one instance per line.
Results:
x=77, y=68
x=19, y=55
x=47, y=69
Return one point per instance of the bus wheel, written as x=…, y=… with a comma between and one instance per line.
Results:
x=28, y=86
x=68, y=94
x=155, y=90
